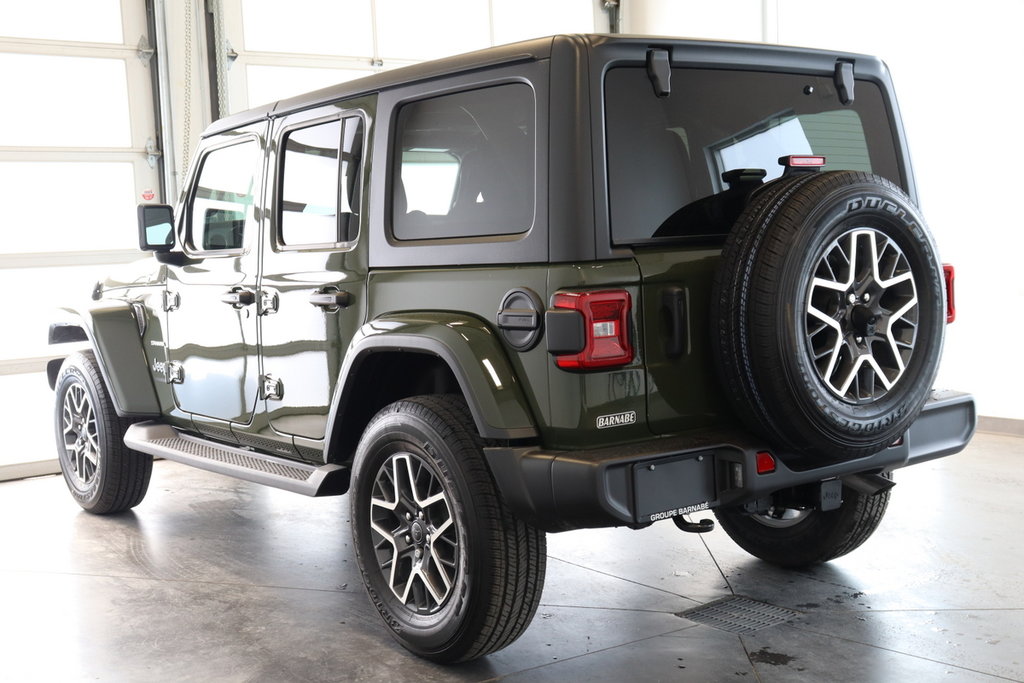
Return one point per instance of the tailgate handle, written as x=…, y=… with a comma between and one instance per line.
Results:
x=674, y=302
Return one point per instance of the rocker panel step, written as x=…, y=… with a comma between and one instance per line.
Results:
x=165, y=441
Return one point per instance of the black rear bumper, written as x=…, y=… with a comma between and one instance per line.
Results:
x=644, y=482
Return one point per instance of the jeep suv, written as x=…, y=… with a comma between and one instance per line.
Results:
x=580, y=281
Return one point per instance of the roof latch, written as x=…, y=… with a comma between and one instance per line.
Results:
x=843, y=78
x=659, y=70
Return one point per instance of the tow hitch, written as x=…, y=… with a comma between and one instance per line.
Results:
x=701, y=527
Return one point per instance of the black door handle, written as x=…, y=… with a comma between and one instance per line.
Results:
x=239, y=297
x=673, y=309
x=331, y=299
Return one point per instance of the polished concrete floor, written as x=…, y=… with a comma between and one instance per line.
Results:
x=215, y=580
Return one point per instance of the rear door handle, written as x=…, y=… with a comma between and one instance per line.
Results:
x=239, y=298
x=331, y=299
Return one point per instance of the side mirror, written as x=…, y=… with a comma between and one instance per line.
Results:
x=156, y=227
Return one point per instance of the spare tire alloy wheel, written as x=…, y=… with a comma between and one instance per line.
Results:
x=829, y=315
x=453, y=572
x=862, y=315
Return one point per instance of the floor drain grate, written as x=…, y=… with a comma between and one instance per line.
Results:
x=736, y=614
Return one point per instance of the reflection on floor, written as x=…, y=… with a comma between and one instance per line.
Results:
x=212, y=579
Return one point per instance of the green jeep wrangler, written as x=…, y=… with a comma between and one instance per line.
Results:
x=580, y=281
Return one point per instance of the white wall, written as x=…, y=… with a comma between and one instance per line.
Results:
x=957, y=72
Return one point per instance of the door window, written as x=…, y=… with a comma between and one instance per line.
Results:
x=315, y=208
x=224, y=199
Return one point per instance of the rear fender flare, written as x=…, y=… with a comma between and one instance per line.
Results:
x=470, y=350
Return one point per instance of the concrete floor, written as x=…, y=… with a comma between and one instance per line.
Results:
x=215, y=580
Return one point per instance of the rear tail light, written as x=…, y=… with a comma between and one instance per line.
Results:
x=949, y=273
x=605, y=328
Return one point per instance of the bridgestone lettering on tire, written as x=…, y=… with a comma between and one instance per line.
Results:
x=829, y=311
x=453, y=572
x=103, y=475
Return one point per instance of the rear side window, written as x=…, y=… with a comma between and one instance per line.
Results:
x=223, y=201
x=669, y=158
x=464, y=165
x=319, y=190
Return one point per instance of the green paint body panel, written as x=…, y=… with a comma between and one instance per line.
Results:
x=113, y=332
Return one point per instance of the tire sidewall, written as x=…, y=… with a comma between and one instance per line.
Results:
x=403, y=432
x=863, y=205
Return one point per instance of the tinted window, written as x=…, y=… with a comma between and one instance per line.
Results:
x=465, y=165
x=667, y=156
x=315, y=208
x=222, y=204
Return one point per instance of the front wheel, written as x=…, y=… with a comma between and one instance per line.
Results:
x=799, y=537
x=103, y=475
x=453, y=572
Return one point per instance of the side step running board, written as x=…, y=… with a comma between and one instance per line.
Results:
x=166, y=442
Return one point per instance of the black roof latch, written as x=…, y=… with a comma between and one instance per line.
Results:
x=843, y=78
x=659, y=70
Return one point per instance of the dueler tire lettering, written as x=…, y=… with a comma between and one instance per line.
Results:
x=829, y=314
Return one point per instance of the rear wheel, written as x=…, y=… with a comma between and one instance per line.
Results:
x=103, y=475
x=799, y=537
x=453, y=572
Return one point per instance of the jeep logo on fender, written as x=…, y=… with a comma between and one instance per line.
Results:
x=616, y=420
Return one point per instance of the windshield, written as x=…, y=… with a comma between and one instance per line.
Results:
x=682, y=165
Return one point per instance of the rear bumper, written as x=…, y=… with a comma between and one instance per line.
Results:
x=639, y=483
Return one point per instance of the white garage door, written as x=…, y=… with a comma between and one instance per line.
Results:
x=76, y=118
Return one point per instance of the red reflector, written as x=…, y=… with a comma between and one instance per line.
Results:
x=765, y=462
x=949, y=273
x=801, y=161
x=605, y=326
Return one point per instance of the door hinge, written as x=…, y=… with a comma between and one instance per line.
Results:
x=271, y=388
x=175, y=373
x=172, y=301
x=269, y=303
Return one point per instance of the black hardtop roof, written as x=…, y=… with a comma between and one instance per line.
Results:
x=739, y=54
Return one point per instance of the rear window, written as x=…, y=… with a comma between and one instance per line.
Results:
x=680, y=165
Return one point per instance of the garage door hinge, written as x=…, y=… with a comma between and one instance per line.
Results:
x=153, y=153
x=143, y=51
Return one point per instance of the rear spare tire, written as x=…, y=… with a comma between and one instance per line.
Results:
x=829, y=307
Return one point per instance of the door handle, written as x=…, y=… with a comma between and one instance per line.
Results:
x=674, y=305
x=239, y=298
x=332, y=299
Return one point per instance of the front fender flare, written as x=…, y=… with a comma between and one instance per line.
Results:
x=471, y=351
x=111, y=329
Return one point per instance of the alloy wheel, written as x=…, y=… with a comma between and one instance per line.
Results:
x=861, y=315
x=416, y=538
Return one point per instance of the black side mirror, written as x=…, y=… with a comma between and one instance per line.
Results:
x=156, y=227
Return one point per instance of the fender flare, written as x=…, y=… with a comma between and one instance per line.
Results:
x=112, y=331
x=470, y=350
